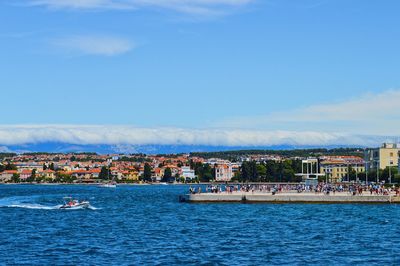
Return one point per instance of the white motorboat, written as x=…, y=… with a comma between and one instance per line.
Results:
x=108, y=185
x=70, y=203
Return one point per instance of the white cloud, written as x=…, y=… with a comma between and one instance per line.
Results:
x=95, y=45
x=198, y=7
x=4, y=149
x=129, y=135
x=368, y=114
x=81, y=4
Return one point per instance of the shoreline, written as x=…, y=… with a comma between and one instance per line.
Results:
x=96, y=184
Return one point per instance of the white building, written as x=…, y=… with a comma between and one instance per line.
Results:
x=309, y=171
x=7, y=175
x=187, y=173
x=223, y=172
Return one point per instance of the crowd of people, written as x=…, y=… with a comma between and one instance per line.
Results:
x=320, y=188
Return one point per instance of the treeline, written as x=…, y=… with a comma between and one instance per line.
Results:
x=236, y=155
x=269, y=171
x=141, y=159
x=6, y=155
x=88, y=158
x=39, y=153
x=386, y=175
x=55, y=153
x=8, y=166
x=204, y=172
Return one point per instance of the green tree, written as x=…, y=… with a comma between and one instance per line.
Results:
x=269, y=171
x=10, y=166
x=386, y=173
x=237, y=177
x=352, y=175
x=181, y=179
x=64, y=178
x=15, y=178
x=246, y=171
x=288, y=173
x=39, y=179
x=44, y=166
x=261, y=172
x=167, y=175
x=178, y=178
x=32, y=177
x=397, y=178
x=104, y=173
x=147, y=173
x=249, y=171
x=372, y=173
x=204, y=172
x=272, y=171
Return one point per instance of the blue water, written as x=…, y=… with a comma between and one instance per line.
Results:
x=133, y=225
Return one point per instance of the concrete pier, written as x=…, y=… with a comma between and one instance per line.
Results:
x=288, y=197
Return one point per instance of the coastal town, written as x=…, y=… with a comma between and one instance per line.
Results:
x=199, y=132
x=376, y=165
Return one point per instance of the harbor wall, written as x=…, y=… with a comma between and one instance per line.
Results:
x=287, y=198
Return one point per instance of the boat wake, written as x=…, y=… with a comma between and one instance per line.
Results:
x=32, y=206
x=90, y=207
x=25, y=203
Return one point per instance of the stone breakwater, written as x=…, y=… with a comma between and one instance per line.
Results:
x=249, y=197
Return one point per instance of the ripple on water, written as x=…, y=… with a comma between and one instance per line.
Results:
x=146, y=225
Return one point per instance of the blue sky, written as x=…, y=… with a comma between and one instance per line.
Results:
x=247, y=65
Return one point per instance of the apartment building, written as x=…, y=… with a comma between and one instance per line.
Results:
x=384, y=156
x=337, y=168
x=187, y=173
x=223, y=172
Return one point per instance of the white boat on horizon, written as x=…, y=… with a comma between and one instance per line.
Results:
x=108, y=185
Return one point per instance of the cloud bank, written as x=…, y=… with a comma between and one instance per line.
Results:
x=199, y=7
x=121, y=135
x=95, y=45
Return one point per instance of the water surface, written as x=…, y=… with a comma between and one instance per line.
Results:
x=133, y=225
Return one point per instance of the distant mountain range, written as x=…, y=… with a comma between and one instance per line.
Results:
x=55, y=147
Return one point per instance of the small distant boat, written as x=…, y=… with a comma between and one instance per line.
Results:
x=108, y=185
x=70, y=203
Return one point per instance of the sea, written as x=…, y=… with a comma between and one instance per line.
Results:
x=147, y=225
